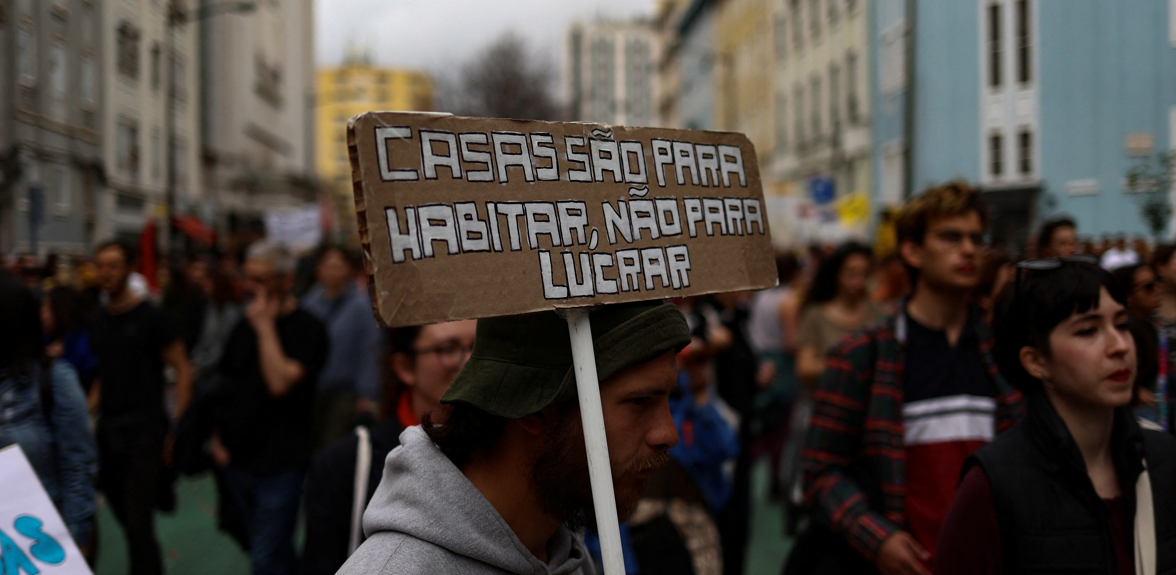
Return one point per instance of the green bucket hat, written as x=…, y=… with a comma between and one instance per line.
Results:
x=522, y=364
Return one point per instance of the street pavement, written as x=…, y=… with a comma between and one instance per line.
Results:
x=188, y=539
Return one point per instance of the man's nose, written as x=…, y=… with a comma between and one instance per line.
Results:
x=664, y=432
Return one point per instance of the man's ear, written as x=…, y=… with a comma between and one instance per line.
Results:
x=534, y=424
x=403, y=366
x=542, y=422
x=911, y=253
x=1034, y=362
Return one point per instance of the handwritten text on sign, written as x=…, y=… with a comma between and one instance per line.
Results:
x=466, y=217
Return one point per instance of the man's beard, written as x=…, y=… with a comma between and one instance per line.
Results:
x=559, y=474
x=120, y=288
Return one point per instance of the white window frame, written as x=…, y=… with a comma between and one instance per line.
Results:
x=26, y=60
x=994, y=65
x=1025, y=153
x=58, y=73
x=88, y=81
x=853, y=110
x=63, y=191
x=996, y=155
x=781, y=122
x=834, y=96
x=1023, y=43
x=815, y=98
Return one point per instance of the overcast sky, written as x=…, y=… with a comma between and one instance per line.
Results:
x=440, y=34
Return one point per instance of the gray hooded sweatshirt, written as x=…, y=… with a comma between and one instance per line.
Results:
x=427, y=518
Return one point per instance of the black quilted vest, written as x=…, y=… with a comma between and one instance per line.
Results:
x=1051, y=519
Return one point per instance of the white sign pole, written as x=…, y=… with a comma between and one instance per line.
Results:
x=595, y=442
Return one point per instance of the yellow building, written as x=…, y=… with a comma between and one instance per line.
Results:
x=743, y=76
x=342, y=92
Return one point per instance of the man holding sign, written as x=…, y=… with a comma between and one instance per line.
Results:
x=509, y=221
x=500, y=485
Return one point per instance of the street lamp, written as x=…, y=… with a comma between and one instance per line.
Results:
x=177, y=16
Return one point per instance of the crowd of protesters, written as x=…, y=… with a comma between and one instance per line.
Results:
x=952, y=407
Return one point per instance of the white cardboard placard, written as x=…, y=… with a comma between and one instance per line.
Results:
x=33, y=538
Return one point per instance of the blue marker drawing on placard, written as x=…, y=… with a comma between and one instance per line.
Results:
x=13, y=559
x=45, y=549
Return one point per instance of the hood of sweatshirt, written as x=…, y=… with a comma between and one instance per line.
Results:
x=423, y=495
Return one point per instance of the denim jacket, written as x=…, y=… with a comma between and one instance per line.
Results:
x=61, y=448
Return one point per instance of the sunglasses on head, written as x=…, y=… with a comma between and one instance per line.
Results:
x=1042, y=264
x=1046, y=264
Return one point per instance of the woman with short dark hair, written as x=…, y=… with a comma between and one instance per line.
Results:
x=1077, y=487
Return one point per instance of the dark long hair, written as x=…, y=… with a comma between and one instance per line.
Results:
x=1035, y=302
x=22, y=342
x=824, y=286
x=461, y=430
x=69, y=309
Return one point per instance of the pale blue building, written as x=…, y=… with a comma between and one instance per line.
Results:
x=1043, y=103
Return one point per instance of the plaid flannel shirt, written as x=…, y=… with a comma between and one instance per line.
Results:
x=856, y=433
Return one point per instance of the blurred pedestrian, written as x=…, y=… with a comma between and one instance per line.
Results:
x=903, y=403
x=771, y=330
x=43, y=409
x=707, y=441
x=673, y=529
x=835, y=306
x=1164, y=266
x=995, y=272
x=1143, y=299
x=499, y=482
x=1140, y=246
x=772, y=333
x=64, y=317
x=263, y=435
x=31, y=272
x=739, y=382
x=1119, y=254
x=1058, y=238
x=348, y=386
x=1077, y=486
x=894, y=283
x=134, y=341
x=184, y=300
x=221, y=315
x=418, y=365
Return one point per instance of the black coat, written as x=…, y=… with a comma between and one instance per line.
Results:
x=330, y=490
x=1051, y=518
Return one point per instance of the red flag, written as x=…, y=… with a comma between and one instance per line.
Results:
x=147, y=254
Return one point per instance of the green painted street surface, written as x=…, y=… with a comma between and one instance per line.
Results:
x=188, y=539
x=768, y=547
x=192, y=545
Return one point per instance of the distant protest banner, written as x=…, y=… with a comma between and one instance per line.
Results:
x=475, y=217
x=33, y=538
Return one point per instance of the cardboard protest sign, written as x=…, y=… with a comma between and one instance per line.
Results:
x=33, y=538
x=476, y=217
